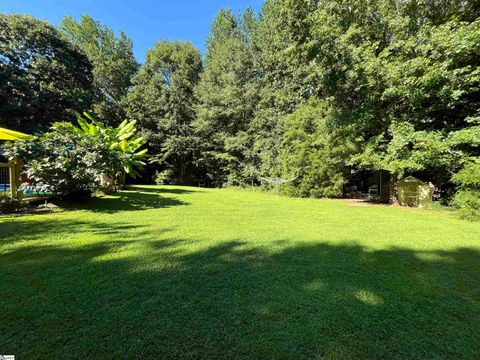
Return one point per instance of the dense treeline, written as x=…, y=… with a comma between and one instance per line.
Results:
x=339, y=86
x=318, y=91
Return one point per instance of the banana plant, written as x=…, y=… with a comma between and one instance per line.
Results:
x=122, y=140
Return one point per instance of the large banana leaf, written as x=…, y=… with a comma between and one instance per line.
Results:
x=122, y=139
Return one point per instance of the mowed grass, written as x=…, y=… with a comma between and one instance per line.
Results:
x=187, y=273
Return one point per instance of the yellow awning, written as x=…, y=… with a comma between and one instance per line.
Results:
x=6, y=134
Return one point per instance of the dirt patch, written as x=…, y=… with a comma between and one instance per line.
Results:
x=362, y=202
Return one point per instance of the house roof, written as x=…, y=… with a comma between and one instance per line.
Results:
x=412, y=179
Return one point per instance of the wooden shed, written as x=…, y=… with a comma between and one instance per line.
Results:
x=414, y=193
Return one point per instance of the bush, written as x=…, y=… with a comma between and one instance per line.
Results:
x=467, y=199
x=468, y=203
x=60, y=162
x=163, y=177
x=8, y=204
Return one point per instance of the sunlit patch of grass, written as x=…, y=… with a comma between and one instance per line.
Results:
x=368, y=297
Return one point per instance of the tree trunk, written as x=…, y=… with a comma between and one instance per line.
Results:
x=182, y=169
x=394, y=189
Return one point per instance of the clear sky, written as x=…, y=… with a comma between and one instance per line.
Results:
x=144, y=21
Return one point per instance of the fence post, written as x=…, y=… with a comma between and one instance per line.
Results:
x=18, y=181
x=11, y=179
x=14, y=169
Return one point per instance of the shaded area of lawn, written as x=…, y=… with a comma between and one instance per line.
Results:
x=133, y=199
x=150, y=297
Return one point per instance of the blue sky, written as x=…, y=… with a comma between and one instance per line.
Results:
x=145, y=21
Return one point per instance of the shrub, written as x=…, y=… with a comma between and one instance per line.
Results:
x=61, y=162
x=163, y=177
x=467, y=199
x=122, y=147
x=468, y=203
x=8, y=204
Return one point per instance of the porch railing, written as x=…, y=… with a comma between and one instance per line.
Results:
x=10, y=178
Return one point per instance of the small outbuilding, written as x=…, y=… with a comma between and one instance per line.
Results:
x=414, y=193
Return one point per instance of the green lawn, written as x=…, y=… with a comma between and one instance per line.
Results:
x=173, y=272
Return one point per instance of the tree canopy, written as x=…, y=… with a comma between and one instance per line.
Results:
x=162, y=101
x=43, y=78
x=340, y=87
x=227, y=96
x=112, y=60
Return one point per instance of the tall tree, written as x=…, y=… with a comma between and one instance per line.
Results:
x=314, y=151
x=113, y=63
x=43, y=78
x=227, y=96
x=162, y=101
x=285, y=79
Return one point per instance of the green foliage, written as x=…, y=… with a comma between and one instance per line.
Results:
x=407, y=91
x=122, y=141
x=401, y=81
x=405, y=150
x=163, y=177
x=227, y=97
x=162, y=102
x=113, y=63
x=433, y=90
x=9, y=204
x=42, y=76
x=468, y=197
x=468, y=201
x=315, y=152
x=70, y=161
x=315, y=90
x=62, y=161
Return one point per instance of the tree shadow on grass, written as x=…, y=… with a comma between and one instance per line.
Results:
x=239, y=301
x=134, y=199
x=165, y=190
x=26, y=230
